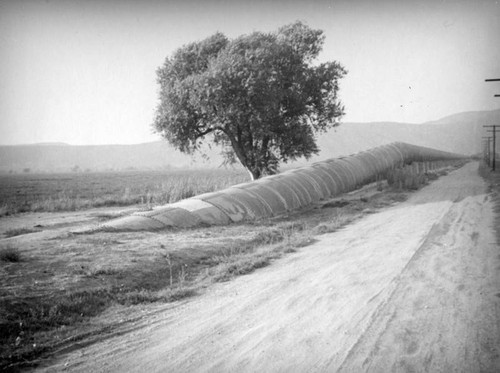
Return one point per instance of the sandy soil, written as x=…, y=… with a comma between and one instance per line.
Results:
x=413, y=288
x=55, y=223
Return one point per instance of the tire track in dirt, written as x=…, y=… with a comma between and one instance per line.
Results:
x=443, y=315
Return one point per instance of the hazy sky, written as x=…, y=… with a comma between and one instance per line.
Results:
x=83, y=72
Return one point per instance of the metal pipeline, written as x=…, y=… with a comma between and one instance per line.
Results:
x=282, y=193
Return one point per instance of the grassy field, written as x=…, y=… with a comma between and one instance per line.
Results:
x=59, y=289
x=76, y=191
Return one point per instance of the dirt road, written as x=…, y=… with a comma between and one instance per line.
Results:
x=413, y=288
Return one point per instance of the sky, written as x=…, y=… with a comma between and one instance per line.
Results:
x=84, y=72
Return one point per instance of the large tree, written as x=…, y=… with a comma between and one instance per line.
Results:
x=260, y=96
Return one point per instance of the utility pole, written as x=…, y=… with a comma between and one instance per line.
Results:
x=487, y=154
x=494, y=129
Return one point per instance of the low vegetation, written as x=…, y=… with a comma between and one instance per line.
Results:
x=71, y=192
x=61, y=290
x=406, y=178
x=10, y=254
x=18, y=231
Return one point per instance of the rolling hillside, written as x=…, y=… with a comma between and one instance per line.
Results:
x=459, y=133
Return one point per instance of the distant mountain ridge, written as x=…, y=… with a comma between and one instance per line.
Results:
x=473, y=117
x=458, y=133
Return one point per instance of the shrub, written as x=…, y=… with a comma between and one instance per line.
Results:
x=406, y=178
x=10, y=254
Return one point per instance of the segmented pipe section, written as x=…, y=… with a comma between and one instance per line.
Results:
x=279, y=194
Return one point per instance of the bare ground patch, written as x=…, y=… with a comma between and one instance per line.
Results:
x=493, y=180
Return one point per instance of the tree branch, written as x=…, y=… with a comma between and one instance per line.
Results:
x=201, y=133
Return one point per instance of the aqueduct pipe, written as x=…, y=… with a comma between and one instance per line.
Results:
x=279, y=194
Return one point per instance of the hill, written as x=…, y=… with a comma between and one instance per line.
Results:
x=458, y=133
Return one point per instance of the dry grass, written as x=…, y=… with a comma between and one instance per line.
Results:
x=71, y=192
x=18, y=231
x=406, y=178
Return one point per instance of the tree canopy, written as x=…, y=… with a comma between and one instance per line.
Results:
x=260, y=96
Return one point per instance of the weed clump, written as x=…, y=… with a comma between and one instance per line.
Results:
x=141, y=296
x=406, y=178
x=10, y=254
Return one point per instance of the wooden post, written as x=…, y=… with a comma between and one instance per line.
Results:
x=487, y=153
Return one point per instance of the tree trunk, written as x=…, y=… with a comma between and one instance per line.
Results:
x=254, y=173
